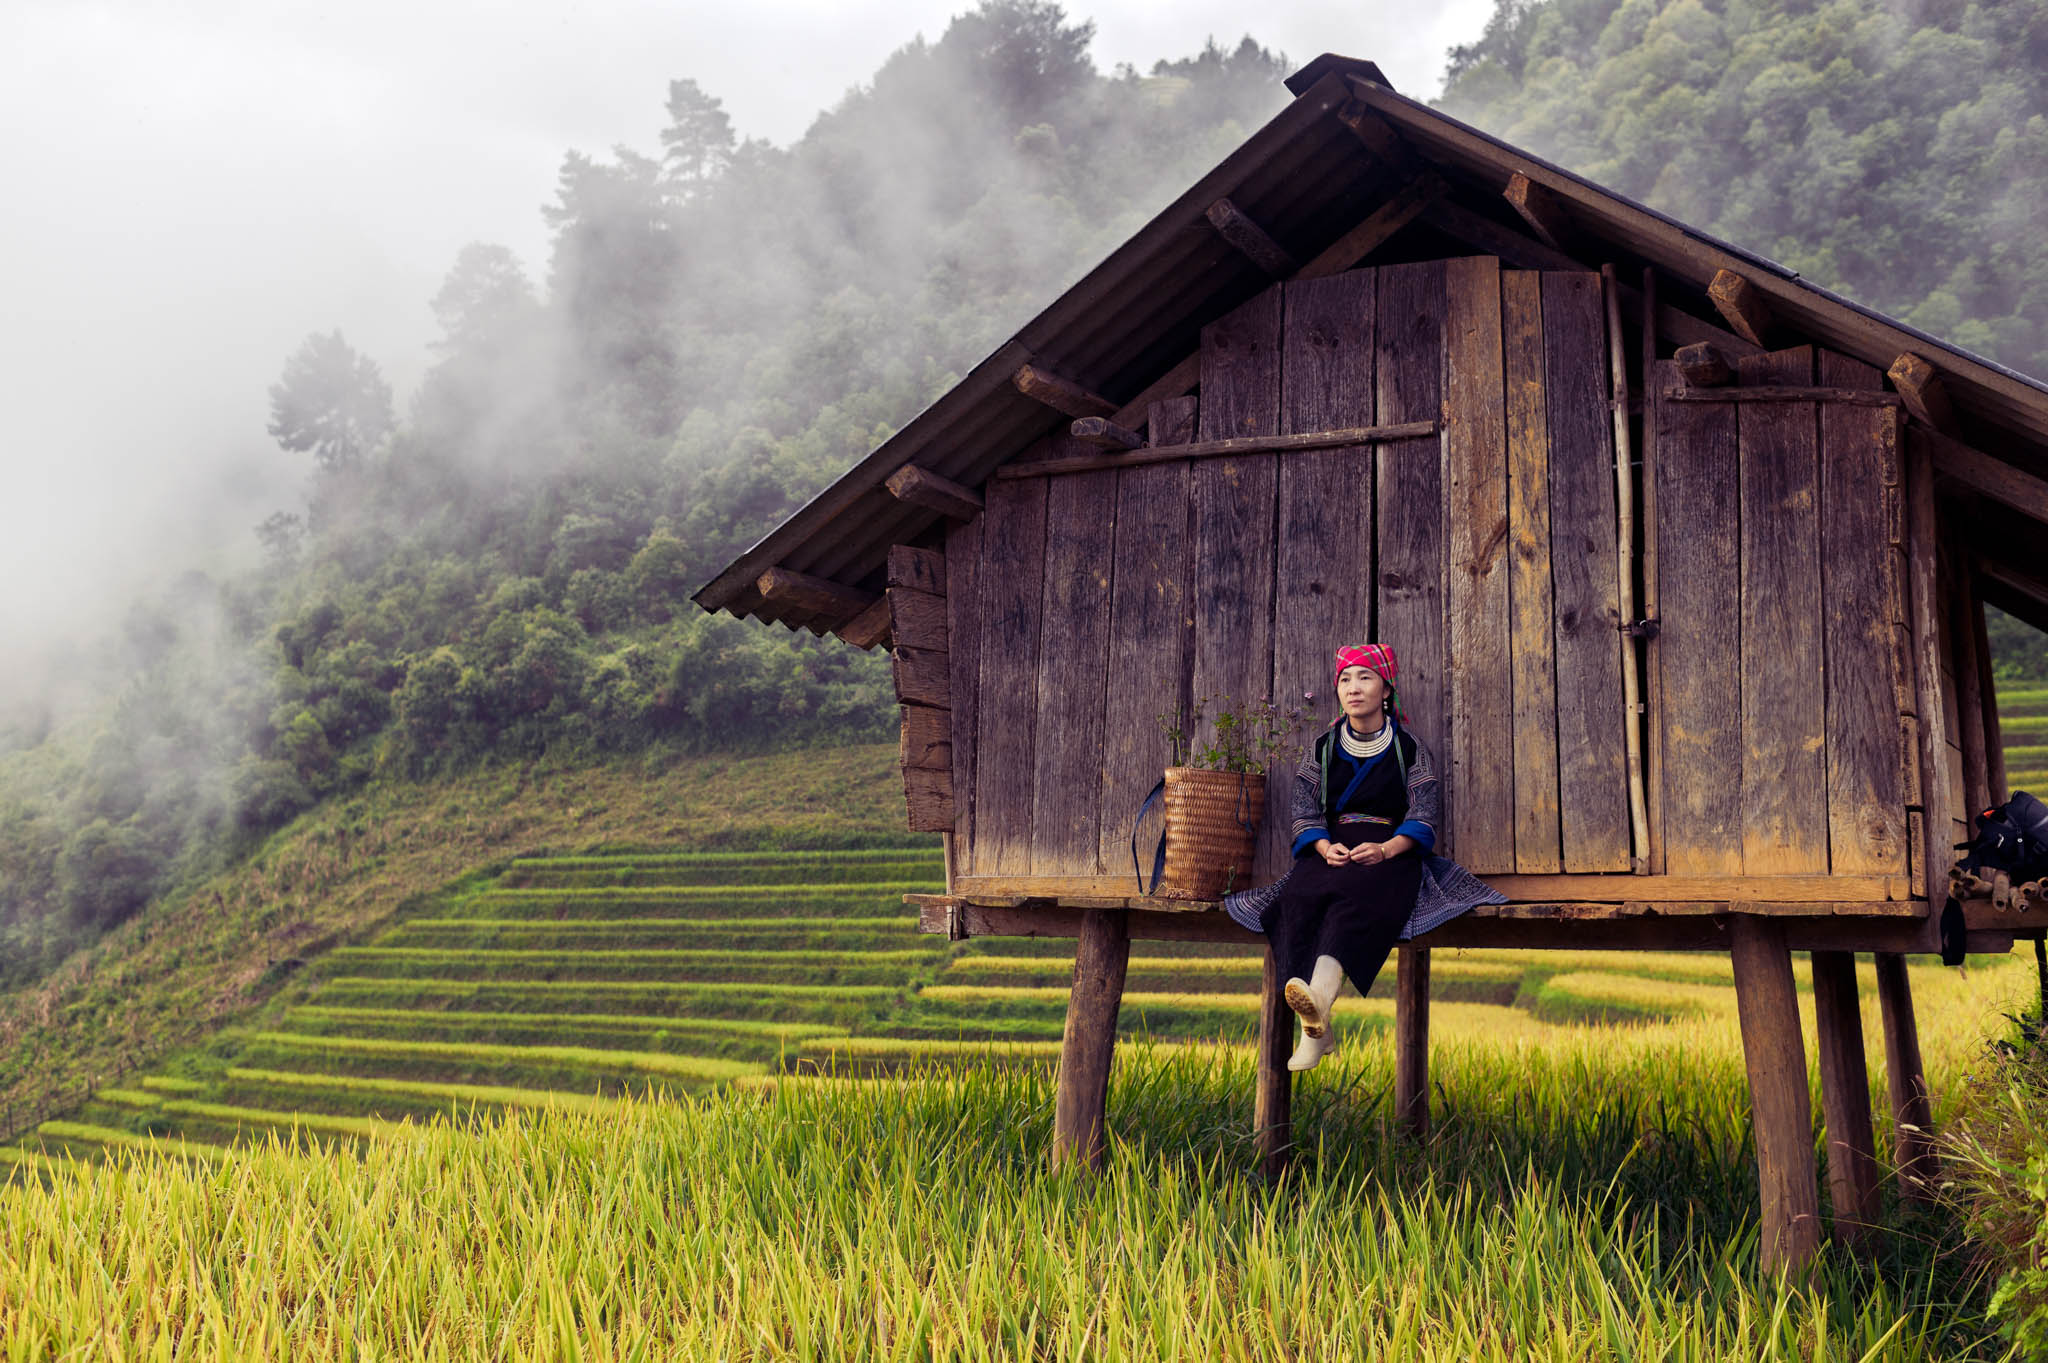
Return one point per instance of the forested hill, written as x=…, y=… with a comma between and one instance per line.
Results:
x=499, y=567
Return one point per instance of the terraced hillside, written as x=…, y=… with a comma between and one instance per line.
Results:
x=2023, y=729
x=570, y=981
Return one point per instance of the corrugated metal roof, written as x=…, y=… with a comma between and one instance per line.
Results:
x=1306, y=179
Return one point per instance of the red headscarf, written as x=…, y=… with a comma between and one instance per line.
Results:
x=1377, y=658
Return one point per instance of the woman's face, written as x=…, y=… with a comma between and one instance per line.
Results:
x=1361, y=691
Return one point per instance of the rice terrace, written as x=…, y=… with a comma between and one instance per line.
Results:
x=1220, y=713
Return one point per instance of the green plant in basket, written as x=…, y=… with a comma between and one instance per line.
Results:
x=1246, y=737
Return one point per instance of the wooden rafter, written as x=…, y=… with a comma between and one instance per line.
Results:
x=812, y=595
x=1251, y=240
x=1541, y=209
x=915, y=485
x=1984, y=474
x=1105, y=434
x=1062, y=395
x=869, y=628
x=1742, y=305
x=1397, y=212
x=1702, y=365
x=1926, y=397
x=1209, y=449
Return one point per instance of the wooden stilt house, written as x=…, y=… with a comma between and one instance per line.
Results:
x=1685, y=557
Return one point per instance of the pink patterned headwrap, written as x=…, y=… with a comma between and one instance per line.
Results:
x=1374, y=658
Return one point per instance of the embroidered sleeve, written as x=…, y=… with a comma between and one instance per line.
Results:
x=1425, y=800
x=1308, y=803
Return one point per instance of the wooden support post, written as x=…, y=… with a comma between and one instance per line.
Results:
x=1741, y=305
x=1970, y=686
x=1912, y=1106
x=1767, y=1004
x=1100, y=961
x=1251, y=240
x=1703, y=366
x=1919, y=384
x=1941, y=802
x=1411, y=1040
x=1273, y=1091
x=1845, y=1097
x=1994, y=741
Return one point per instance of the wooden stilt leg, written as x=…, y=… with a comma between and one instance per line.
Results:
x=1912, y=1106
x=1411, y=1039
x=1845, y=1097
x=1768, y=1007
x=1273, y=1095
x=1100, y=961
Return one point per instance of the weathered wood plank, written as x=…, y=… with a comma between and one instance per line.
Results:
x=921, y=570
x=1767, y=1006
x=1784, y=721
x=1853, y=397
x=1994, y=742
x=1211, y=449
x=1073, y=663
x=963, y=633
x=1653, y=677
x=1476, y=660
x=1408, y=609
x=1591, y=743
x=919, y=619
x=926, y=738
x=1232, y=595
x=1082, y=1097
x=923, y=677
x=915, y=485
x=1698, y=608
x=1620, y=405
x=1011, y=580
x=1859, y=461
x=1149, y=609
x=928, y=796
x=1983, y=473
x=1970, y=687
x=1322, y=593
x=1648, y=891
x=1532, y=643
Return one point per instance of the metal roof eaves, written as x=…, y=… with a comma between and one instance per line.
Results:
x=1709, y=239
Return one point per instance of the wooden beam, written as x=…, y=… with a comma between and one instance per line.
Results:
x=1981, y=472
x=1703, y=366
x=1210, y=449
x=1251, y=240
x=1273, y=1083
x=1767, y=1007
x=1411, y=1040
x=817, y=595
x=1079, y=1135
x=1175, y=382
x=928, y=800
x=1105, y=434
x=919, y=486
x=919, y=620
x=923, y=677
x=1390, y=217
x=1925, y=395
x=1741, y=305
x=869, y=628
x=926, y=738
x=1939, y=799
x=1062, y=395
x=1852, y=397
x=1559, y=889
x=1378, y=137
x=1541, y=210
x=1525, y=252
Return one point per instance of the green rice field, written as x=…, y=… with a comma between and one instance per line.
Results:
x=2023, y=731
x=668, y=1105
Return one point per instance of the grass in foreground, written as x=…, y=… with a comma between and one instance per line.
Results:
x=1576, y=1202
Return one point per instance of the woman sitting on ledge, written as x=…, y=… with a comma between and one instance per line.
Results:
x=1367, y=805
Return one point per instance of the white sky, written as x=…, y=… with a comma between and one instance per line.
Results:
x=192, y=186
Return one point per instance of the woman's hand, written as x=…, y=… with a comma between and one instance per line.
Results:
x=1332, y=853
x=1373, y=853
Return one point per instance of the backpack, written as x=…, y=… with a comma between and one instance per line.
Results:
x=2010, y=849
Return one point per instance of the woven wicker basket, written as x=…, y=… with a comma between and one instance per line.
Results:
x=1208, y=846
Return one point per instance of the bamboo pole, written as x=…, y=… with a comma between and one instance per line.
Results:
x=1652, y=658
x=1624, y=489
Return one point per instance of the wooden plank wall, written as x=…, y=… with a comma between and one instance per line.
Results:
x=1786, y=732
x=1487, y=557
